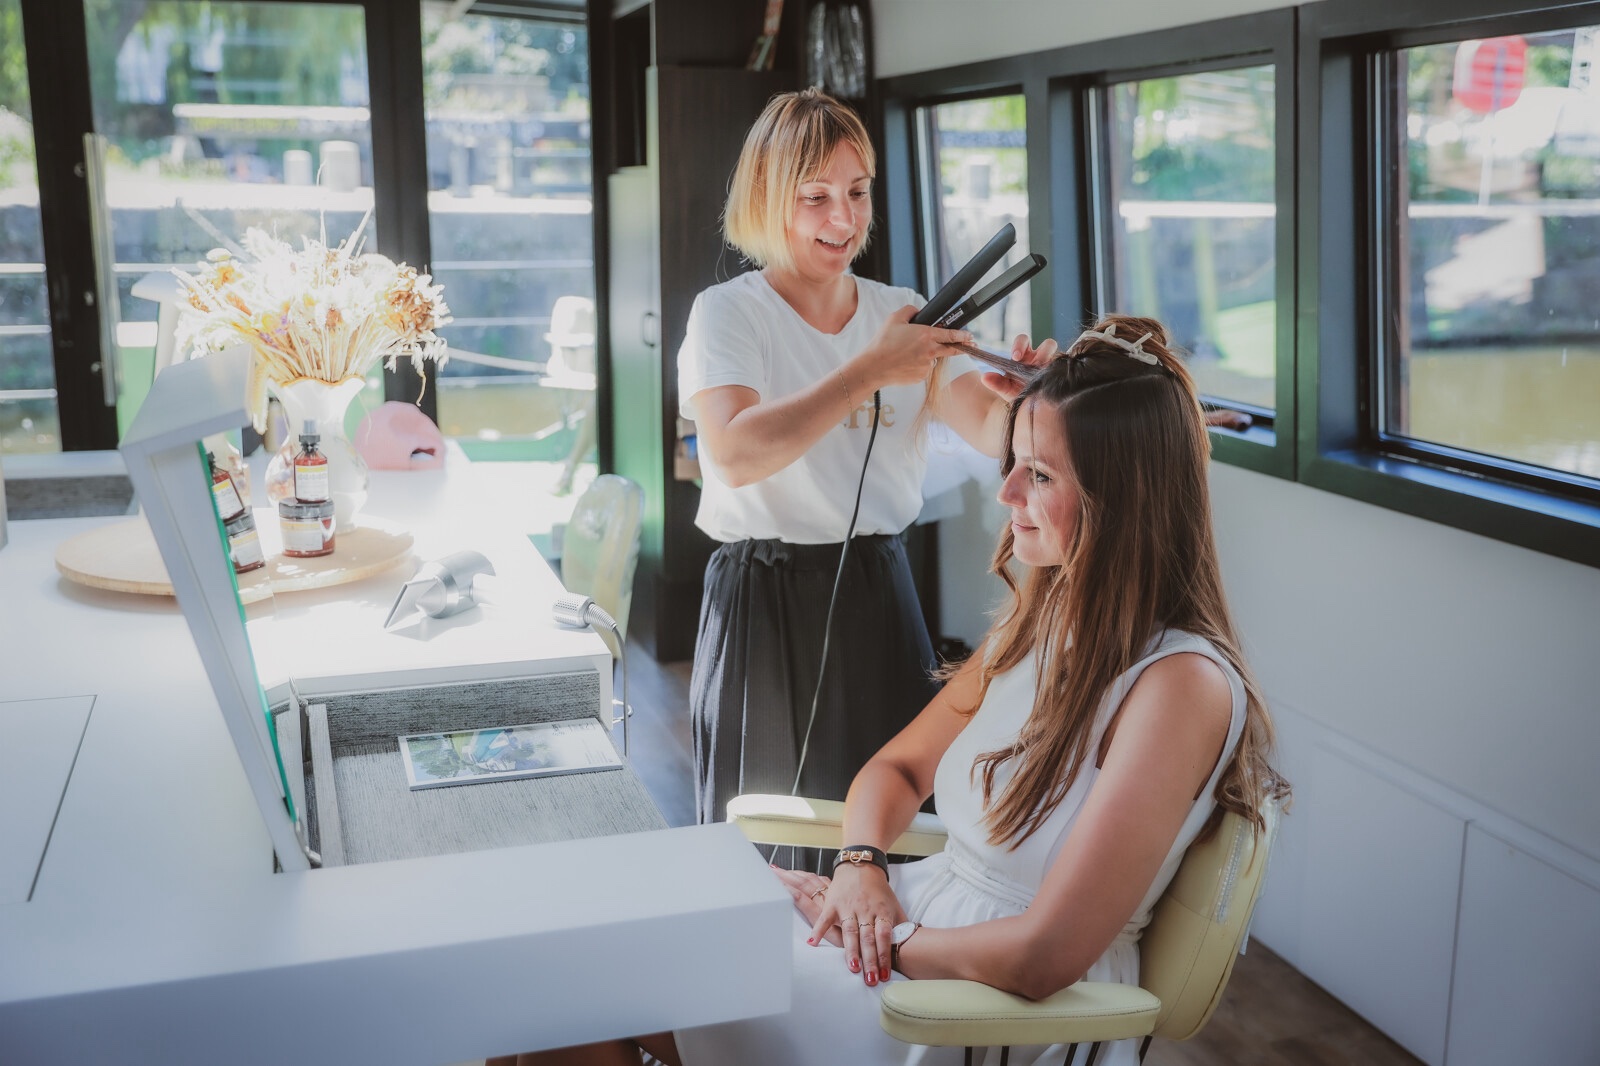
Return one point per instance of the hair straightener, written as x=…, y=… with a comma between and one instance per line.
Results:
x=947, y=308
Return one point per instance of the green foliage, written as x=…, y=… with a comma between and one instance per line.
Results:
x=1200, y=136
x=475, y=44
x=1549, y=64
x=1214, y=170
x=17, y=165
x=13, y=61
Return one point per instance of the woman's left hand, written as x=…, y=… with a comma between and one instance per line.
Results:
x=1007, y=387
x=809, y=891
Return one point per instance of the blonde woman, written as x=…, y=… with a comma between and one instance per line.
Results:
x=778, y=370
x=1105, y=721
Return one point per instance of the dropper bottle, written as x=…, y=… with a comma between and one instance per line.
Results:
x=310, y=467
x=224, y=492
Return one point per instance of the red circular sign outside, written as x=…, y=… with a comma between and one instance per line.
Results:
x=1489, y=73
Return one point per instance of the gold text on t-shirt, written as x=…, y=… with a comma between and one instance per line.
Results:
x=857, y=421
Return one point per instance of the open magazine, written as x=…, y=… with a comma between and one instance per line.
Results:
x=471, y=756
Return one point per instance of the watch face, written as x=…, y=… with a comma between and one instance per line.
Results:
x=901, y=932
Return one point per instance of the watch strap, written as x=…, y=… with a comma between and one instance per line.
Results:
x=856, y=854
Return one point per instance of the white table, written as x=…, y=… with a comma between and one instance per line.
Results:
x=157, y=931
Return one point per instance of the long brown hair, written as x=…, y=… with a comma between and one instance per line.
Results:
x=1142, y=560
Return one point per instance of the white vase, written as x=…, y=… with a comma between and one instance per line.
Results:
x=324, y=402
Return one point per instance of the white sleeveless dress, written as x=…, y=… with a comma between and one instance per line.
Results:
x=833, y=1017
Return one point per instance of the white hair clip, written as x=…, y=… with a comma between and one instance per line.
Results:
x=1135, y=349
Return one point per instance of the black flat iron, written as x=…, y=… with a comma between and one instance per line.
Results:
x=947, y=308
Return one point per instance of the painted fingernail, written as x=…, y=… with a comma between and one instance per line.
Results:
x=872, y=978
x=883, y=974
x=855, y=967
x=811, y=940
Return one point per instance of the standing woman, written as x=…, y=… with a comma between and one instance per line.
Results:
x=778, y=370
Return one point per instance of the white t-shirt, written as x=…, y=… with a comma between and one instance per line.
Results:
x=743, y=333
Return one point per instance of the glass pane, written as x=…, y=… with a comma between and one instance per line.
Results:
x=28, y=420
x=1193, y=221
x=218, y=117
x=980, y=148
x=509, y=207
x=1499, y=250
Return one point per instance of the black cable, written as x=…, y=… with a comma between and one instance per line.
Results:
x=833, y=600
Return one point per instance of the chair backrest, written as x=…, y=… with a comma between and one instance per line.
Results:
x=1199, y=924
x=601, y=547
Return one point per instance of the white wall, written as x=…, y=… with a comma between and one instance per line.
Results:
x=1436, y=690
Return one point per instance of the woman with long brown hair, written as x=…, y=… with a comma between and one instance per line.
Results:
x=1106, y=720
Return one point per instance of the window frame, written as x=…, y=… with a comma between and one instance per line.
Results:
x=1060, y=86
x=1343, y=168
x=1267, y=446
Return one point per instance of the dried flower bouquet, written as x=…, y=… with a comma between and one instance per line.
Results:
x=323, y=313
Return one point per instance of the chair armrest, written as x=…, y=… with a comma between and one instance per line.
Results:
x=815, y=823
x=969, y=1014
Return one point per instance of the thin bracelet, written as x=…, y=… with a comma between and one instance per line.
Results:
x=845, y=385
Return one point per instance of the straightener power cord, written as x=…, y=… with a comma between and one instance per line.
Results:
x=948, y=310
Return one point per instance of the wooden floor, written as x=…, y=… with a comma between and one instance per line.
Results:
x=1271, y=1015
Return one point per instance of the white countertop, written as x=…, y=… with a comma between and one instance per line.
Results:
x=157, y=932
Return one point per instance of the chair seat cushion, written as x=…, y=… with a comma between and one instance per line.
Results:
x=968, y=1014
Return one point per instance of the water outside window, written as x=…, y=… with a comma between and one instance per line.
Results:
x=217, y=117
x=977, y=152
x=28, y=418
x=1497, y=339
x=510, y=214
x=1192, y=223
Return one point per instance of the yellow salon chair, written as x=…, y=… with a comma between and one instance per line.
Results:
x=1186, y=954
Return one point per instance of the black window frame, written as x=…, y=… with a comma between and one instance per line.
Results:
x=1345, y=171
x=1060, y=86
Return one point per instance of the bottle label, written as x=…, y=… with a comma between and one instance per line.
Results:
x=245, y=549
x=227, y=497
x=303, y=535
x=311, y=482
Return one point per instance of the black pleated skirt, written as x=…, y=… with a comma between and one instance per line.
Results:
x=757, y=658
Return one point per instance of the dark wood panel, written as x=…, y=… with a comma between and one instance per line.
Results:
x=702, y=116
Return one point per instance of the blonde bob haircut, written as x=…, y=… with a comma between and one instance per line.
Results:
x=789, y=145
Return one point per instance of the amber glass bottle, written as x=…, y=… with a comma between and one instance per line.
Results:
x=310, y=467
x=223, y=492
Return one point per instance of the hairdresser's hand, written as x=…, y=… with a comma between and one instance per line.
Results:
x=902, y=353
x=809, y=891
x=1007, y=387
x=860, y=901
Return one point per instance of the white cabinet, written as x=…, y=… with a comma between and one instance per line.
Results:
x=1381, y=880
x=1527, y=960
x=1466, y=937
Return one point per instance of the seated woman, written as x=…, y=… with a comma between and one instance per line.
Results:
x=1105, y=721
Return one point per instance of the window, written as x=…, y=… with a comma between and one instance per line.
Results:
x=28, y=417
x=217, y=117
x=1492, y=340
x=1449, y=178
x=510, y=216
x=1189, y=221
x=975, y=164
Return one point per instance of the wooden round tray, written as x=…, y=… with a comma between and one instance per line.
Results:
x=123, y=557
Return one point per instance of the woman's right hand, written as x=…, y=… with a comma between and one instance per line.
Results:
x=904, y=353
x=866, y=910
